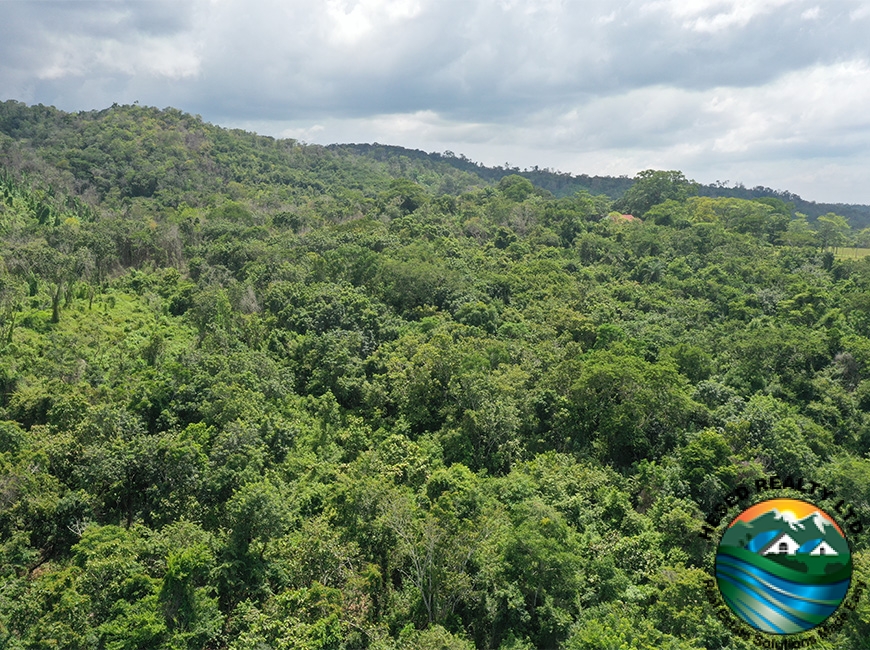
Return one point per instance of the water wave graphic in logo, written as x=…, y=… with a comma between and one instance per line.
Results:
x=783, y=566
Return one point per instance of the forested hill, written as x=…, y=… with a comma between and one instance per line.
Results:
x=857, y=215
x=259, y=394
x=174, y=155
x=562, y=184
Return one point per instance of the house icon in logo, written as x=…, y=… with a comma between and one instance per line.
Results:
x=784, y=544
x=823, y=549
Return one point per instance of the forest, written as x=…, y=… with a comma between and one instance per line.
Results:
x=256, y=393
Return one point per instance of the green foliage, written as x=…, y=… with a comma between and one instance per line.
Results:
x=256, y=394
x=652, y=187
x=621, y=627
x=516, y=188
x=706, y=457
x=405, y=195
x=626, y=409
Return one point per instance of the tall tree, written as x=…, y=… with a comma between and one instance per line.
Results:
x=652, y=187
x=833, y=230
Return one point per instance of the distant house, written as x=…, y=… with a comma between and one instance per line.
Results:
x=782, y=544
x=823, y=549
x=623, y=218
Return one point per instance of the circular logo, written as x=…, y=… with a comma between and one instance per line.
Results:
x=783, y=566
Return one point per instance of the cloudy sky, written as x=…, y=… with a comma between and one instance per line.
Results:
x=764, y=92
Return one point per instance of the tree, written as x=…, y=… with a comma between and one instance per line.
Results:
x=405, y=194
x=625, y=409
x=190, y=611
x=621, y=626
x=537, y=580
x=12, y=292
x=833, y=230
x=799, y=232
x=258, y=515
x=652, y=187
x=438, y=546
x=515, y=187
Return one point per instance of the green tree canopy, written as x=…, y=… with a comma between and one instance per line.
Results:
x=652, y=187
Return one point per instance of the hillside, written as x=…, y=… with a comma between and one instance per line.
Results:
x=159, y=150
x=562, y=184
x=255, y=393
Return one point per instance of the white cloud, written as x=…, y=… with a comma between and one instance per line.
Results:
x=352, y=20
x=77, y=56
x=717, y=15
x=63, y=47
x=860, y=13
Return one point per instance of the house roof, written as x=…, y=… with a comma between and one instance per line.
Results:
x=782, y=537
x=829, y=550
x=624, y=217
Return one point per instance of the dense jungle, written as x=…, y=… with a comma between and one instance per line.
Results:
x=256, y=393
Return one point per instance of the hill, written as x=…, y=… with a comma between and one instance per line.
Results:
x=562, y=184
x=164, y=152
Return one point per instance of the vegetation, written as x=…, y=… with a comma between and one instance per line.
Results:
x=255, y=393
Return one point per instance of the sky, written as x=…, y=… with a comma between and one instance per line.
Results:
x=761, y=92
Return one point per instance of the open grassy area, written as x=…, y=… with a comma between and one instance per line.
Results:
x=852, y=253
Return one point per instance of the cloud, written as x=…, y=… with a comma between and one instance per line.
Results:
x=711, y=16
x=624, y=85
x=469, y=59
x=52, y=51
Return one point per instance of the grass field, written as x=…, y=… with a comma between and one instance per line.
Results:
x=852, y=253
